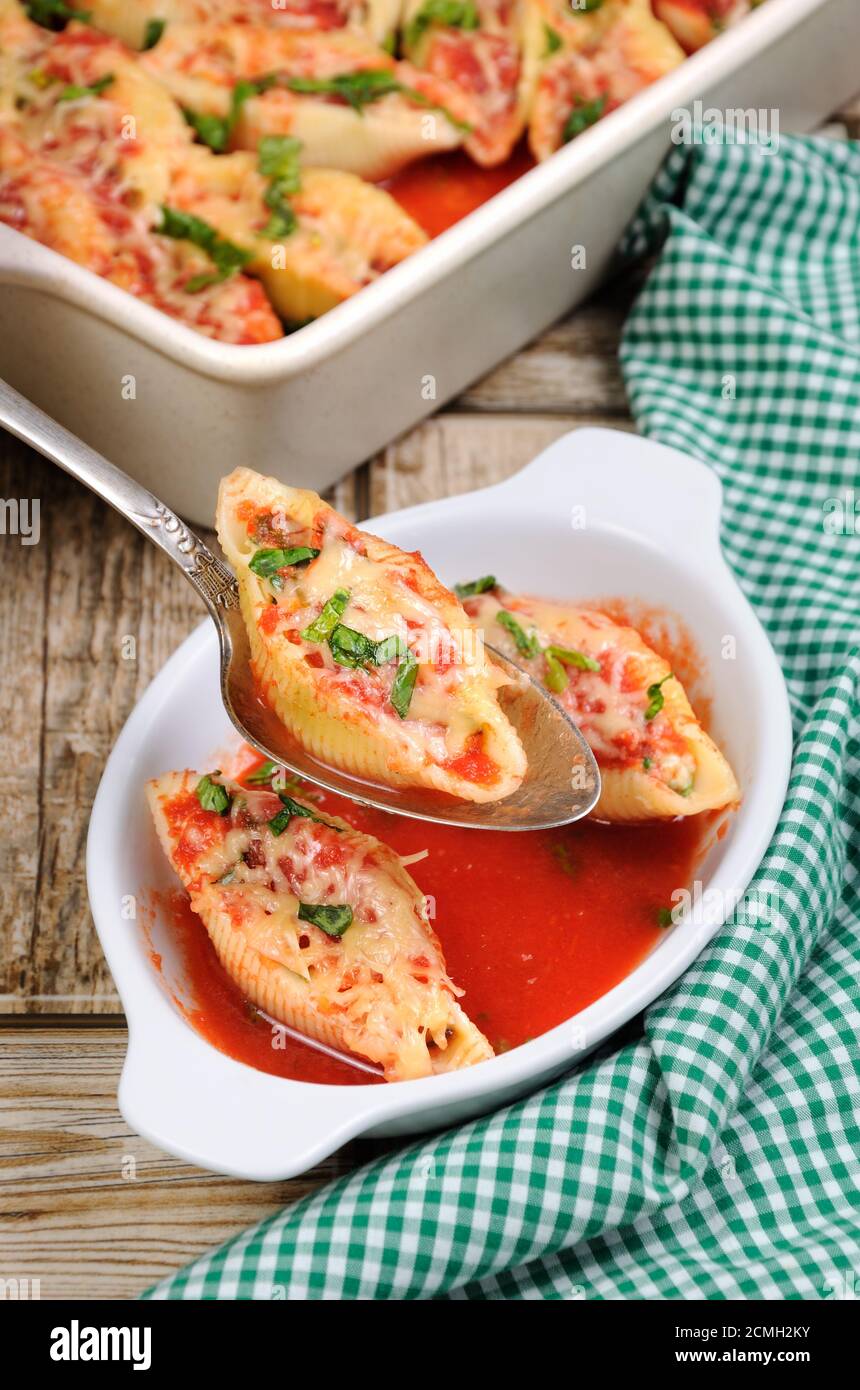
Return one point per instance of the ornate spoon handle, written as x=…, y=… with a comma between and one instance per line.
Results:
x=214, y=582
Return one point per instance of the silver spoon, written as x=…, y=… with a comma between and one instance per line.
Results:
x=562, y=783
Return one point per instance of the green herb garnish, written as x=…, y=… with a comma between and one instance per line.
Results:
x=553, y=40
x=475, y=586
x=359, y=89
x=152, y=33
x=404, y=685
x=449, y=14
x=267, y=563
x=291, y=808
x=527, y=643
x=52, y=14
x=655, y=698
x=333, y=609
x=664, y=917
x=74, y=92
x=647, y=763
x=556, y=678
x=332, y=920
x=262, y=775
x=570, y=657
x=278, y=160
x=224, y=255
x=585, y=6
x=351, y=648
x=216, y=131
x=212, y=796
x=583, y=115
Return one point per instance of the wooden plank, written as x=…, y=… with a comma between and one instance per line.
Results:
x=88, y=616
x=23, y=623
x=86, y=1206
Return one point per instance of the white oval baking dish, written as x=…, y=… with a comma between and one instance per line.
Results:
x=652, y=519
x=319, y=402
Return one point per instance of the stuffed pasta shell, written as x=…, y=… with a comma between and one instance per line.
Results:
x=476, y=46
x=143, y=23
x=348, y=102
x=581, y=66
x=695, y=22
x=313, y=236
x=656, y=761
x=364, y=655
x=319, y=925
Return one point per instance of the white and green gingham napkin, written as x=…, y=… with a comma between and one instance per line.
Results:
x=717, y=1156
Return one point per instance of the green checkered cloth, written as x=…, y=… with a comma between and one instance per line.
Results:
x=716, y=1155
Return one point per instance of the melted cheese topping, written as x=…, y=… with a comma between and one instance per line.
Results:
x=381, y=605
x=610, y=704
x=383, y=982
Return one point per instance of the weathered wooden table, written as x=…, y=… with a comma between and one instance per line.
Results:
x=86, y=1206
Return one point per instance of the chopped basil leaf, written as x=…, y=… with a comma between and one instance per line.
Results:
x=226, y=257
x=404, y=684
x=553, y=40
x=212, y=796
x=213, y=130
x=291, y=808
x=570, y=657
x=647, y=763
x=216, y=131
x=359, y=89
x=262, y=775
x=390, y=649
x=664, y=917
x=52, y=14
x=583, y=115
x=152, y=33
x=449, y=14
x=332, y=920
x=333, y=610
x=278, y=160
x=556, y=678
x=351, y=648
x=267, y=563
x=74, y=92
x=527, y=643
x=655, y=698
x=229, y=877
x=586, y=6
x=475, y=586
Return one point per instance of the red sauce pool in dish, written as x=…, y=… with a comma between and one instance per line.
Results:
x=534, y=926
x=444, y=189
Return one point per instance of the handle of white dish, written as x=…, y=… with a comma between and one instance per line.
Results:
x=222, y=1115
x=213, y=581
x=648, y=489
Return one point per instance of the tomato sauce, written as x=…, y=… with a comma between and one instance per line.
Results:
x=534, y=926
x=442, y=190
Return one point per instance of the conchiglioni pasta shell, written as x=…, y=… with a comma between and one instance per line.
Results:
x=342, y=734
x=389, y=1038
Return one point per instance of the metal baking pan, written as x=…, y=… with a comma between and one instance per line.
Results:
x=178, y=410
